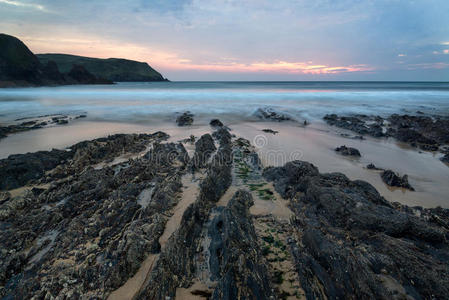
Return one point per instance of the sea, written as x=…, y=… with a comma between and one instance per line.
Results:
x=139, y=102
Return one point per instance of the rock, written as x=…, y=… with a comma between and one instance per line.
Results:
x=235, y=255
x=204, y=148
x=270, y=131
x=216, y=123
x=392, y=179
x=222, y=135
x=270, y=114
x=63, y=121
x=352, y=243
x=347, y=151
x=87, y=233
x=4, y=196
x=186, y=119
x=445, y=158
x=357, y=124
x=19, y=169
x=177, y=262
x=191, y=139
x=372, y=167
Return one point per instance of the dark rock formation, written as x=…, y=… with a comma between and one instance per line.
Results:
x=392, y=179
x=186, y=119
x=90, y=229
x=236, y=257
x=269, y=114
x=176, y=264
x=18, y=170
x=445, y=158
x=270, y=131
x=36, y=123
x=357, y=124
x=372, y=167
x=216, y=123
x=111, y=69
x=424, y=132
x=204, y=148
x=223, y=136
x=353, y=244
x=347, y=151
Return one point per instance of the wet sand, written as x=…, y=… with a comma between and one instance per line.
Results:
x=314, y=143
x=133, y=285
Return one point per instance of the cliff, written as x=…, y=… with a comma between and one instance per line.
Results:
x=113, y=69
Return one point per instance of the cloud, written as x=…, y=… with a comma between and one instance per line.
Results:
x=436, y=65
x=444, y=51
x=24, y=5
x=284, y=67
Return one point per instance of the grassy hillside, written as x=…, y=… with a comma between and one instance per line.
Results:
x=113, y=69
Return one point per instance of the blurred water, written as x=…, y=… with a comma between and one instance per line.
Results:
x=143, y=102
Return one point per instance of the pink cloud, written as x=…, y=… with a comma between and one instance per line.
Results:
x=273, y=67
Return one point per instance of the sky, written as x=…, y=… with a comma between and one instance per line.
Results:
x=246, y=39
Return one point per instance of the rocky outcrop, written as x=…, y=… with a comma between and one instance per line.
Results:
x=236, y=257
x=18, y=170
x=267, y=130
x=38, y=122
x=424, y=132
x=87, y=231
x=357, y=124
x=392, y=179
x=269, y=114
x=111, y=69
x=445, y=158
x=20, y=67
x=185, y=119
x=176, y=264
x=347, y=151
x=204, y=148
x=216, y=123
x=355, y=244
